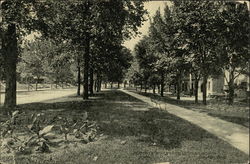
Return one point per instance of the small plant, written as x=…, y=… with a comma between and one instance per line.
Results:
x=14, y=146
x=9, y=125
x=87, y=132
x=41, y=135
x=66, y=127
x=82, y=129
x=10, y=140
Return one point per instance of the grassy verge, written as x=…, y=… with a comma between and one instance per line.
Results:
x=131, y=132
x=237, y=113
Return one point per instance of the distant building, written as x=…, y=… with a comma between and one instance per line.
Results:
x=218, y=85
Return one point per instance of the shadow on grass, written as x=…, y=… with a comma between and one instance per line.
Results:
x=122, y=117
x=238, y=120
x=214, y=108
x=116, y=116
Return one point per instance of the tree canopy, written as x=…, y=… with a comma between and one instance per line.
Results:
x=203, y=38
x=94, y=27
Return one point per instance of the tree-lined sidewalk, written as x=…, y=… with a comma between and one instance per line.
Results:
x=87, y=35
x=195, y=40
x=236, y=135
x=138, y=133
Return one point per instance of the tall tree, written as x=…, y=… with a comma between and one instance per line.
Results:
x=32, y=60
x=73, y=20
x=85, y=21
x=17, y=18
x=161, y=33
x=199, y=34
x=146, y=59
x=234, y=42
x=119, y=64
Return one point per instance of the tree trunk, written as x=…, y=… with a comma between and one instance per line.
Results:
x=118, y=85
x=154, y=89
x=0, y=90
x=105, y=85
x=204, y=90
x=86, y=59
x=10, y=61
x=231, y=88
x=178, y=87
x=196, y=88
x=28, y=84
x=98, y=79
x=141, y=87
x=36, y=83
x=100, y=84
x=78, y=78
x=190, y=85
x=230, y=93
x=162, y=84
x=91, y=82
x=145, y=89
x=159, y=88
x=95, y=85
x=111, y=85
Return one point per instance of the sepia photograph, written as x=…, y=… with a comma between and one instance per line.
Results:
x=124, y=81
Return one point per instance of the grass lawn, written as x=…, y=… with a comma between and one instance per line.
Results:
x=237, y=113
x=130, y=132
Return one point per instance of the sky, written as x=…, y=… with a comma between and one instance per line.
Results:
x=152, y=7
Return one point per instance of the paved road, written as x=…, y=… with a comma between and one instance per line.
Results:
x=234, y=134
x=38, y=96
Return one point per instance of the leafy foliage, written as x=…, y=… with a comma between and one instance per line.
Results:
x=8, y=127
x=181, y=41
x=41, y=133
x=48, y=60
x=83, y=24
x=117, y=67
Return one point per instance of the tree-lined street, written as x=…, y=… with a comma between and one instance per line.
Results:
x=131, y=131
x=124, y=81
